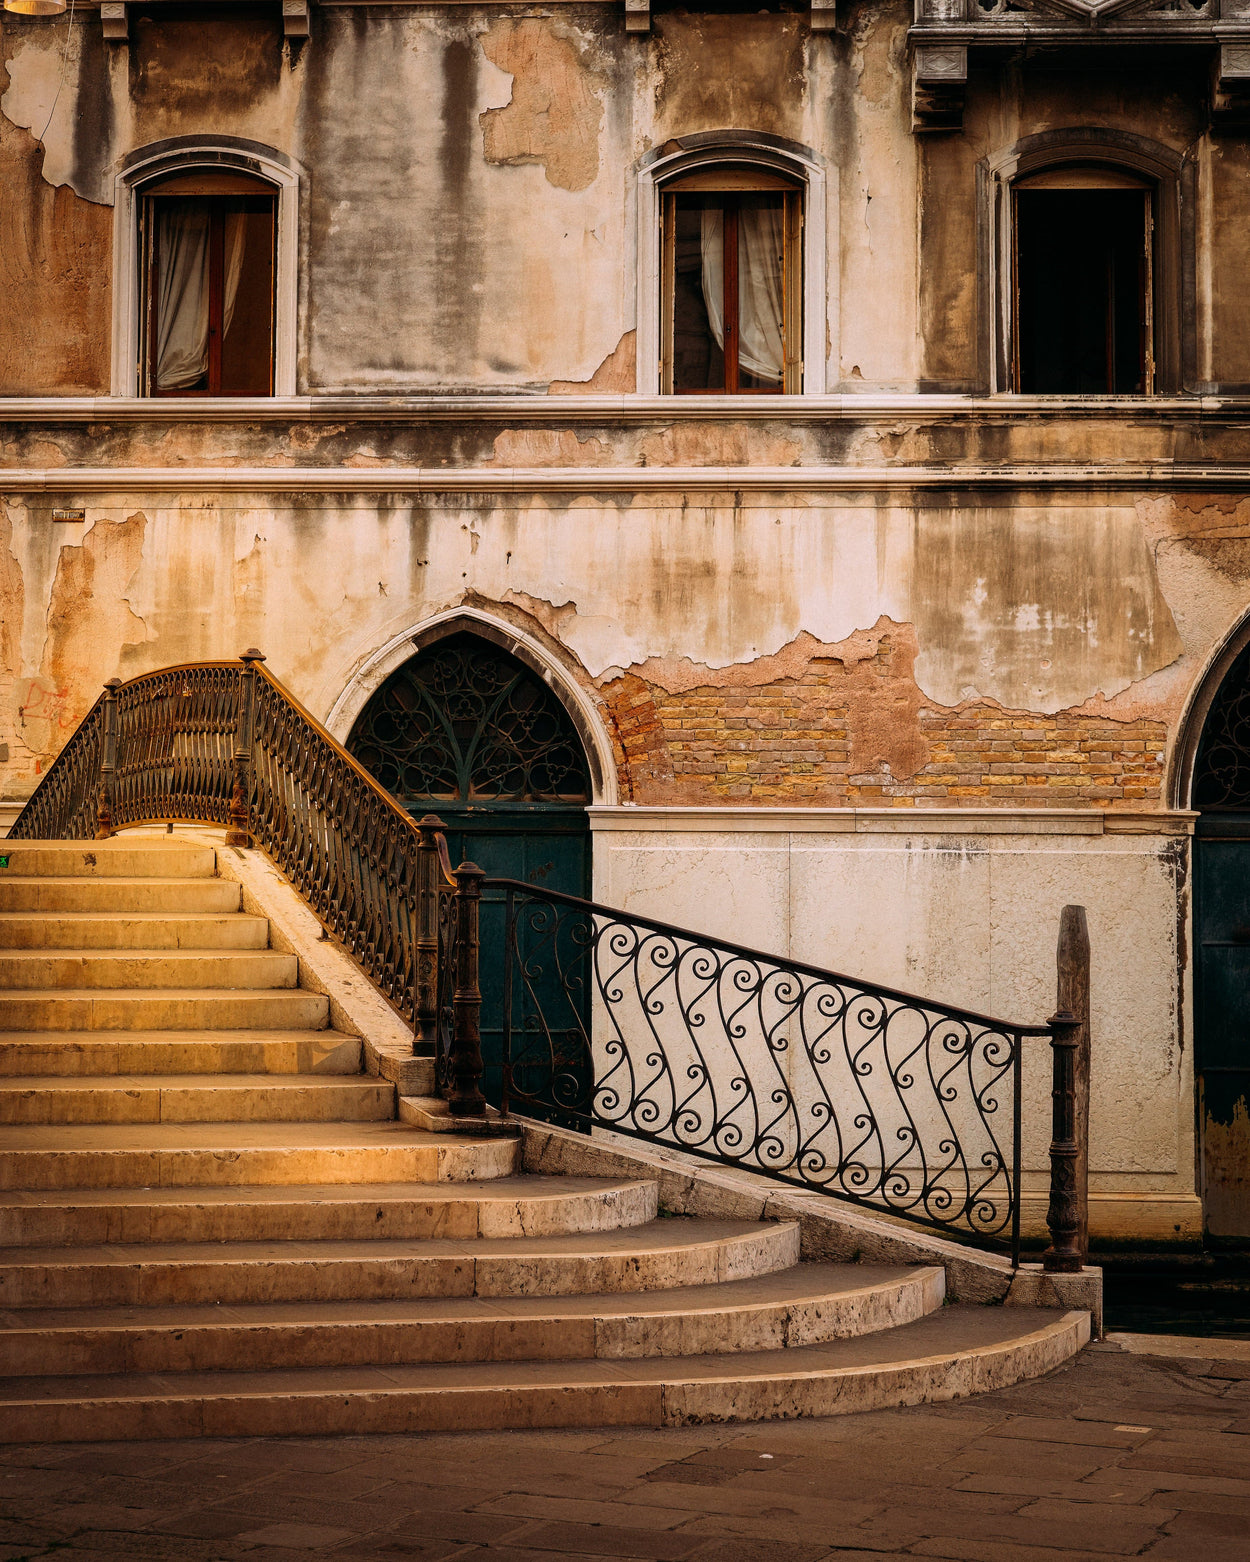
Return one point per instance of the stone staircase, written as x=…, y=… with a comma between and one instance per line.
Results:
x=214, y=1224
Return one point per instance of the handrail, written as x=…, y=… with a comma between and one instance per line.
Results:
x=663, y=1033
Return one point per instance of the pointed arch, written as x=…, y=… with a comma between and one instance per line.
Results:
x=579, y=707
x=1209, y=693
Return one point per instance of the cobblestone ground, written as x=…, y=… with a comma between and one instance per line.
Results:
x=1116, y=1455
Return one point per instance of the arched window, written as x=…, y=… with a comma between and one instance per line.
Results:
x=731, y=279
x=205, y=271
x=1089, y=256
x=466, y=724
x=1222, y=765
x=207, y=317
x=1084, y=294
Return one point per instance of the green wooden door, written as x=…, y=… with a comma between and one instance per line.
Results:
x=468, y=732
x=1221, y=791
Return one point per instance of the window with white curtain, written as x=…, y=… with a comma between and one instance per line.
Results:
x=731, y=278
x=208, y=270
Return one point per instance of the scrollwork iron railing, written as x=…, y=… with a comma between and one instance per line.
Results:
x=890, y=1101
x=610, y=1020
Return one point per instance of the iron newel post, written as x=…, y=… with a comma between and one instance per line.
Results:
x=239, y=832
x=425, y=1032
x=108, y=762
x=1068, y=1212
x=466, y=1098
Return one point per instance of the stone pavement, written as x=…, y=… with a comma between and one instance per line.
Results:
x=1115, y=1455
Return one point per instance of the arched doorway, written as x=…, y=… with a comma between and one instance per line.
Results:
x=469, y=732
x=1220, y=790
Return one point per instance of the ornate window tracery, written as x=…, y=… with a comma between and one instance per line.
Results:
x=464, y=723
x=1222, y=769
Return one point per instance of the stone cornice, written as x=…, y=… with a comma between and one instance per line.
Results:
x=728, y=480
x=889, y=821
x=531, y=408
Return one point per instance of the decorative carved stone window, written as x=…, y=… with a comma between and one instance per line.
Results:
x=207, y=321
x=732, y=283
x=1084, y=282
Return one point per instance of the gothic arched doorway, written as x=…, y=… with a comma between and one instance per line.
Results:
x=467, y=731
x=1221, y=792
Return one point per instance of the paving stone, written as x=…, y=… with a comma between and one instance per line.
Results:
x=576, y=1510
x=207, y=1523
x=736, y=1550
x=1092, y=1434
x=301, y=1537
x=1116, y=1538
x=611, y=1540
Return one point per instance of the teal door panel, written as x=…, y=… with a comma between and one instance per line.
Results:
x=1222, y=1019
x=545, y=846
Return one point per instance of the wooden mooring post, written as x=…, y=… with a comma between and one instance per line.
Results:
x=1068, y=1213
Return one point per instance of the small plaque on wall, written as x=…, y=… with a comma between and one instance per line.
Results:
x=69, y=515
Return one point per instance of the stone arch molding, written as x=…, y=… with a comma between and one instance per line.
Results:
x=1179, y=791
x=710, y=149
x=583, y=713
x=185, y=154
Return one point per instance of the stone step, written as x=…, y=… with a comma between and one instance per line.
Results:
x=122, y=857
x=807, y=1304
x=950, y=1353
x=194, y=1098
x=168, y=1008
x=31, y=970
x=132, y=930
x=235, y=1155
x=653, y=1257
x=73, y=1054
x=121, y=896
x=506, y=1207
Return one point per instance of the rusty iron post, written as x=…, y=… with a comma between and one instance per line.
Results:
x=1068, y=1212
x=239, y=832
x=108, y=762
x=425, y=1007
x=465, y=1098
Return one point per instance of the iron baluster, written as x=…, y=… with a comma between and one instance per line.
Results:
x=465, y=1098
x=108, y=761
x=509, y=940
x=429, y=874
x=1017, y=1069
x=239, y=833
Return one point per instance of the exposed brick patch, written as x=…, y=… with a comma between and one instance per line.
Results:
x=860, y=733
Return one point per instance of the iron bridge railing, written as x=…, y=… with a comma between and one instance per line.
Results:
x=606, y=1019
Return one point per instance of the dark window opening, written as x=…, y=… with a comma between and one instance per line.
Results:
x=732, y=277
x=209, y=288
x=1083, y=291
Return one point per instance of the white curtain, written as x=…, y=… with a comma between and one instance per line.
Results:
x=761, y=241
x=182, y=229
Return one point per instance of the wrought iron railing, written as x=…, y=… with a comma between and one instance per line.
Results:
x=609, y=1020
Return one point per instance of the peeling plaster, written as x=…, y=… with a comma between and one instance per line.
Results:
x=556, y=109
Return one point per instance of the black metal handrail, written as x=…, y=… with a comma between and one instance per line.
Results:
x=610, y=1019
x=810, y=1077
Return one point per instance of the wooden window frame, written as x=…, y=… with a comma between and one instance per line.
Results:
x=732, y=182
x=210, y=183
x=1092, y=176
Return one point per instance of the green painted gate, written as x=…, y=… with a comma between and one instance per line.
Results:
x=1221, y=791
x=468, y=732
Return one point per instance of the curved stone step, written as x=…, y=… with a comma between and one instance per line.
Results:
x=169, y=1008
x=807, y=1304
x=121, y=857
x=73, y=1054
x=150, y=930
x=657, y=1256
x=120, y=896
x=91, y=970
x=951, y=1353
x=194, y=1098
x=505, y=1207
x=188, y=1155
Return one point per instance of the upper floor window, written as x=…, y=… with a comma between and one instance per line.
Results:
x=732, y=283
x=207, y=321
x=205, y=270
x=1084, y=294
